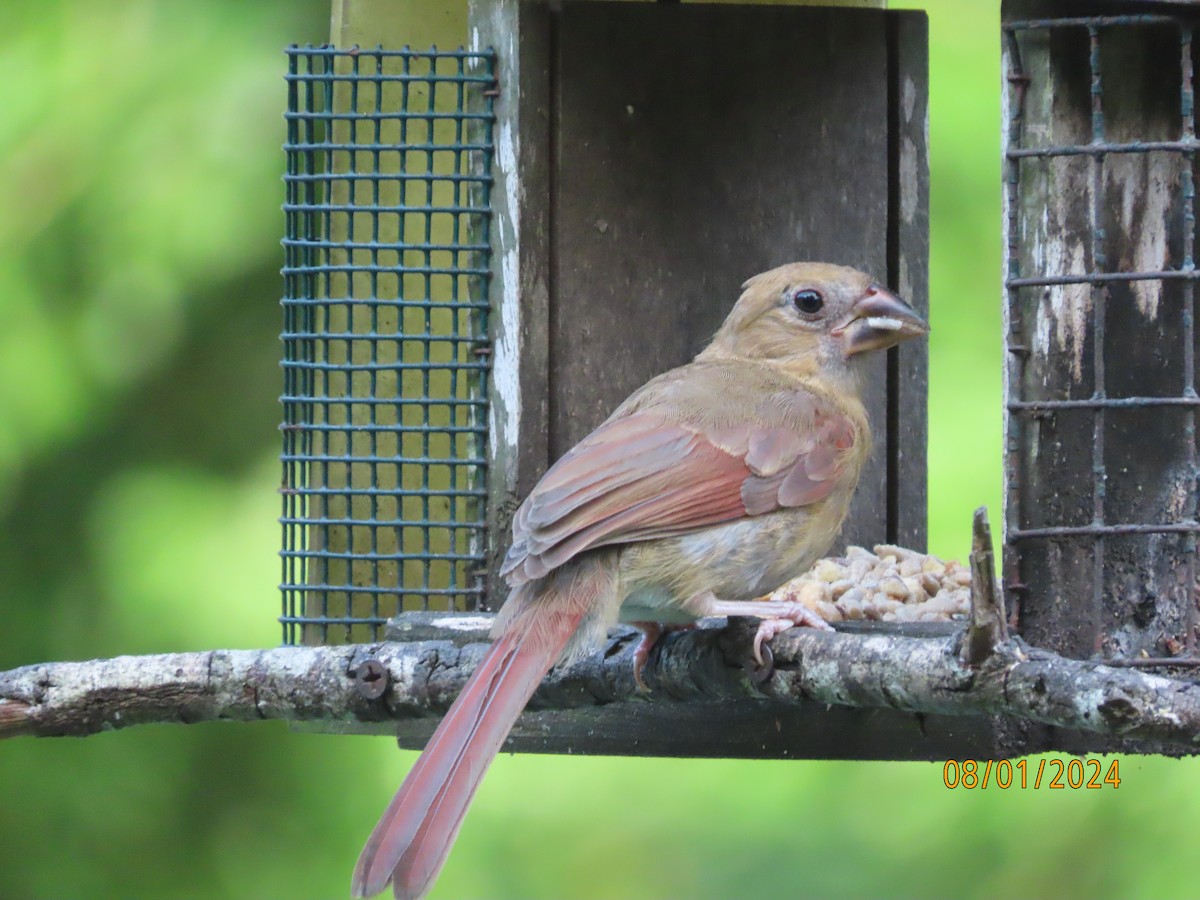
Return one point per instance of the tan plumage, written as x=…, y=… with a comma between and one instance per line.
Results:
x=709, y=486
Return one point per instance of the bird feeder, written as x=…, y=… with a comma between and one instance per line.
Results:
x=1102, y=400
x=1100, y=225
x=489, y=248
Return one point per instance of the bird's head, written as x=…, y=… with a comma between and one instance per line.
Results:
x=814, y=316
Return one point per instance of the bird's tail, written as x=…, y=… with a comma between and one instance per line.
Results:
x=412, y=839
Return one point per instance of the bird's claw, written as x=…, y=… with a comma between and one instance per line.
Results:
x=765, y=660
x=789, y=616
x=651, y=632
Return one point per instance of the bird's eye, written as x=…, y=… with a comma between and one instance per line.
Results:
x=809, y=302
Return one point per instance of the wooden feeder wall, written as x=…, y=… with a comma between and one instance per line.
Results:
x=652, y=157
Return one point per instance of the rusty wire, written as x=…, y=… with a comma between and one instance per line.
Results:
x=1020, y=409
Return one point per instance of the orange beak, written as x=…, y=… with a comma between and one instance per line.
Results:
x=877, y=321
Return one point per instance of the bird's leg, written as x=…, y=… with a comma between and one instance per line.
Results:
x=777, y=617
x=651, y=632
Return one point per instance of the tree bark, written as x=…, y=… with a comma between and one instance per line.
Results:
x=707, y=665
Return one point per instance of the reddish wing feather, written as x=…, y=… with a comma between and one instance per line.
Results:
x=640, y=478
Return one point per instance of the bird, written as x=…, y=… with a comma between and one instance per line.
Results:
x=711, y=485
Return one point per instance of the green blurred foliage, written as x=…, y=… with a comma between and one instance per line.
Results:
x=139, y=183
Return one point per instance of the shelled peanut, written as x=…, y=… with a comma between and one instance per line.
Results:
x=893, y=584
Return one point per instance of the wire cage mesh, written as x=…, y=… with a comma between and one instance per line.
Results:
x=385, y=354
x=1101, y=459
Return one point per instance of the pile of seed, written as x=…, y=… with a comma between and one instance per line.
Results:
x=892, y=584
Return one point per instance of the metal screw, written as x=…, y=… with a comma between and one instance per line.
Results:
x=370, y=679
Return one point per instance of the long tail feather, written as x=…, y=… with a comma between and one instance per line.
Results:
x=413, y=837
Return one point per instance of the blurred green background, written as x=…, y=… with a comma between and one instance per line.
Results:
x=139, y=286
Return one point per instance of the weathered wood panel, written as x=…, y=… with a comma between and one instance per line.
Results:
x=684, y=162
x=908, y=272
x=520, y=291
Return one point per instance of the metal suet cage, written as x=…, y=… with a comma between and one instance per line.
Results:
x=1101, y=457
x=385, y=351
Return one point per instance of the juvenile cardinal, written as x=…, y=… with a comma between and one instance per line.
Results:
x=710, y=486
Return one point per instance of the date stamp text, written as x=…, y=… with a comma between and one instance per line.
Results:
x=1047, y=773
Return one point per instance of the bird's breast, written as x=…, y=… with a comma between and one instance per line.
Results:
x=738, y=560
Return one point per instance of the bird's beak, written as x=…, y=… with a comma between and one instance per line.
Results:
x=877, y=321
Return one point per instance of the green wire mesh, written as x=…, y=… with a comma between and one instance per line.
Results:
x=385, y=352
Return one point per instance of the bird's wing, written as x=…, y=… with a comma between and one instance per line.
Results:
x=640, y=476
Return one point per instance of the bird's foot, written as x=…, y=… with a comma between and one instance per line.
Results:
x=769, y=628
x=651, y=633
x=777, y=617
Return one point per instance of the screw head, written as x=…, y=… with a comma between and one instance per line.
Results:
x=370, y=679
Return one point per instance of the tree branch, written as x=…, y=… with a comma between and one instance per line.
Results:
x=987, y=626
x=708, y=665
x=973, y=671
